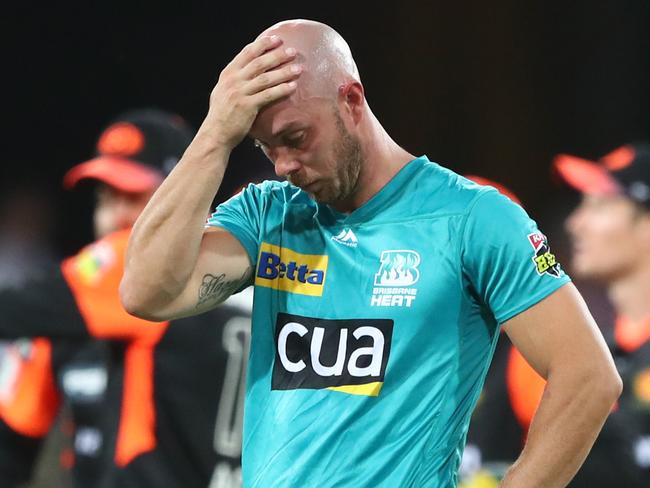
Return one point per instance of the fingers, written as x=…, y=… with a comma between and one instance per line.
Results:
x=263, y=64
x=271, y=75
x=271, y=78
x=254, y=50
x=274, y=93
x=262, y=73
x=268, y=61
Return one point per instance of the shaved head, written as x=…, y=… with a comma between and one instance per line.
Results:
x=325, y=56
x=318, y=136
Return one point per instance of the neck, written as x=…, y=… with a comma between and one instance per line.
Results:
x=629, y=294
x=383, y=158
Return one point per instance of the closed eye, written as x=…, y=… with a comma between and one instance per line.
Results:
x=295, y=139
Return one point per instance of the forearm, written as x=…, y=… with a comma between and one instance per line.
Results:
x=164, y=245
x=165, y=250
x=565, y=426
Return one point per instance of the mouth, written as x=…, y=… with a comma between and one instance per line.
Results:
x=310, y=187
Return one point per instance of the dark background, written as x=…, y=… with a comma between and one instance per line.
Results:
x=490, y=88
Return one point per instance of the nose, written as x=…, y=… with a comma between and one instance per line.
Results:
x=574, y=221
x=285, y=163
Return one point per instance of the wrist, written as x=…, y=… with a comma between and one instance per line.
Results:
x=219, y=132
x=212, y=140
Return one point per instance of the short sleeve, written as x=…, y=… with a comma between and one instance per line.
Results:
x=240, y=215
x=505, y=259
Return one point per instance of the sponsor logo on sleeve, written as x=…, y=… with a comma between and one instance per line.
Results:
x=544, y=260
x=349, y=356
x=283, y=269
x=398, y=272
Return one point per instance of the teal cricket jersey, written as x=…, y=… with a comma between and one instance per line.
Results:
x=373, y=331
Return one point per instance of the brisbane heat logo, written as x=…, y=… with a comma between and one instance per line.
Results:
x=349, y=356
x=544, y=259
x=288, y=270
x=397, y=273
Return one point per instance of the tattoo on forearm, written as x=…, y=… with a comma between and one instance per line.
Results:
x=215, y=288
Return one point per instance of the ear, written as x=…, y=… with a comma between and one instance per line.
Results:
x=352, y=100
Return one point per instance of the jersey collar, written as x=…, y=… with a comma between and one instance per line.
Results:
x=380, y=200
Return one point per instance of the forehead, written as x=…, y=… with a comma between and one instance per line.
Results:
x=612, y=208
x=286, y=115
x=605, y=200
x=107, y=192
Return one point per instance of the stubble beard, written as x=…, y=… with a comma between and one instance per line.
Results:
x=348, y=160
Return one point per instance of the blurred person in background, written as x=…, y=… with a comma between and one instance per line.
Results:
x=152, y=404
x=335, y=254
x=610, y=235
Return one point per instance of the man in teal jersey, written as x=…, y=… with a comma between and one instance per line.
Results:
x=381, y=281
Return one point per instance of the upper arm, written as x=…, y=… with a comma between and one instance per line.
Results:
x=223, y=267
x=558, y=335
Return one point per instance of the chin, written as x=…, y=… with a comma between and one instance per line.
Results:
x=323, y=196
x=589, y=272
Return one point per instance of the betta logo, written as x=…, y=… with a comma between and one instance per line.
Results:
x=342, y=355
x=287, y=270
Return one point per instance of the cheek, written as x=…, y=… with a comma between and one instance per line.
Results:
x=317, y=158
x=612, y=241
x=595, y=227
x=610, y=230
x=104, y=221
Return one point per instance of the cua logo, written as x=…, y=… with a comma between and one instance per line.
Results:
x=343, y=355
x=287, y=270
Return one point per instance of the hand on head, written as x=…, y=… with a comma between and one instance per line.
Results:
x=260, y=74
x=305, y=58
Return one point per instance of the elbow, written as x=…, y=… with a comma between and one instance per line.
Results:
x=614, y=386
x=606, y=387
x=595, y=385
x=135, y=304
x=129, y=298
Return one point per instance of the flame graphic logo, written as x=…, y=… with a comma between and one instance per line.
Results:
x=398, y=268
